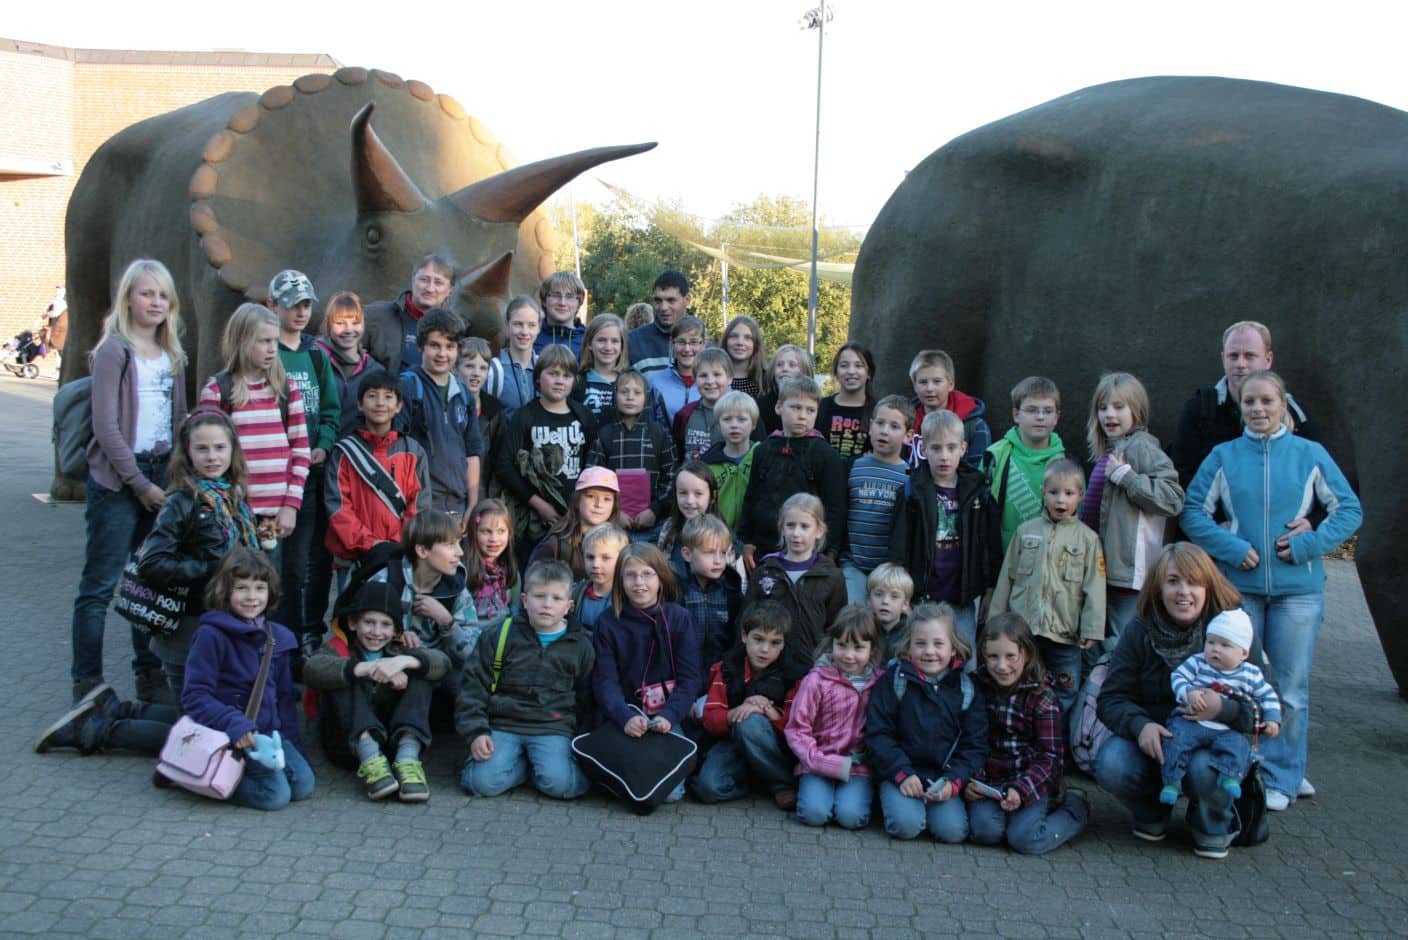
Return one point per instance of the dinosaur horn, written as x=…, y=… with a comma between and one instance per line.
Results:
x=380, y=183
x=512, y=194
x=490, y=280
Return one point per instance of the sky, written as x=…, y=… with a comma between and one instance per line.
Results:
x=729, y=89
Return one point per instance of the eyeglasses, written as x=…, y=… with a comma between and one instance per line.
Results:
x=1033, y=412
x=688, y=342
x=561, y=297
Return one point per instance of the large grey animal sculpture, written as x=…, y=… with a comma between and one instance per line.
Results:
x=348, y=177
x=1124, y=226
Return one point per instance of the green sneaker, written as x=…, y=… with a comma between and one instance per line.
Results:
x=413, y=786
x=376, y=775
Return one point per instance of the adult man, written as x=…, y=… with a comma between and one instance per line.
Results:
x=561, y=296
x=650, y=344
x=391, y=324
x=1213, y=414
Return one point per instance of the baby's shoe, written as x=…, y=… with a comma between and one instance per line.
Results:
x=1169, y=795
x=376, y=777
x=1231, y=784
x=411, y=774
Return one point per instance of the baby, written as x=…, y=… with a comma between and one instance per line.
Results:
x=1221, y=667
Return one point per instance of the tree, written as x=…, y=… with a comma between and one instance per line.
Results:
x=623, y=253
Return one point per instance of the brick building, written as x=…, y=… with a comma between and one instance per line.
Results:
x=58, y=105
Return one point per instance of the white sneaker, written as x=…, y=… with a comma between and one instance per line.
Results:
x=1306, y=790
x=1276, y=801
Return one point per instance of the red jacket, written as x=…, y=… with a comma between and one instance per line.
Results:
x=358, y=518
x=717, y=704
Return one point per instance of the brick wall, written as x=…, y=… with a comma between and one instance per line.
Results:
x=62, y=104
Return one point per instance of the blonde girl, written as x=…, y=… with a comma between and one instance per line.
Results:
x=826, y=727
x=647, y=655
x=926, y=730
x=139, y=402
x=743, y=340
x=1132, y=493
x=267, y=411
x=802, y=578
x=605, y=353
x=491, y=572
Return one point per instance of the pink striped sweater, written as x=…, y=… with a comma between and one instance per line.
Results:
x=277, y=456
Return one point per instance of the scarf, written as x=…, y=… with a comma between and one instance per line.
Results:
x=231, y=513
x=1174, y=644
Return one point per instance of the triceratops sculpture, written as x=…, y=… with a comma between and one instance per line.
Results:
x=231, y=190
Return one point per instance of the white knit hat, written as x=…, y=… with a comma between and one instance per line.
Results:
x=1234, y=626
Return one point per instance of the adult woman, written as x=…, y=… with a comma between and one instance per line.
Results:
x=1183, y=591
x=139, y=402
x=1266, y=482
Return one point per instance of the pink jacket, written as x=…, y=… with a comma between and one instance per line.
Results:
x=827, y=724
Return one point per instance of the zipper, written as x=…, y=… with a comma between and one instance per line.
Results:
x=1266, y=512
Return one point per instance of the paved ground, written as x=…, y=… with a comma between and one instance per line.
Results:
x=88, y=847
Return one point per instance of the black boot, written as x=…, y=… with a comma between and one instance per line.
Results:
x=77, y=728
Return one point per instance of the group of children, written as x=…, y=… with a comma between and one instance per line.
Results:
x=547, y=538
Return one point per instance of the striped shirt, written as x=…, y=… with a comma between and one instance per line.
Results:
x=872, y=486
x=277, y=456
x=1246, y=680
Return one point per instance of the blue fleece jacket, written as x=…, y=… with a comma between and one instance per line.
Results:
x=220, y=673
x=560, y=334
x=1260, y=483
x=638, y=648
x=650, y=348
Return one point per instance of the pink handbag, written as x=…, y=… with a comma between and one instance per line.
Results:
x=204, y=760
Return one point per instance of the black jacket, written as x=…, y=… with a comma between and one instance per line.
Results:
x=537, y=685
x=813, y=601
x=926, y=731
x=184, y=547
x=1210, y=418
x=782, y=467
x=915, y=518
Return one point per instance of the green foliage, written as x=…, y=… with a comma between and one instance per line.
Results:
x=624, y=249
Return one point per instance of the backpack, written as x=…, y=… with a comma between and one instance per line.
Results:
x=72, y=430
x=1086, y=733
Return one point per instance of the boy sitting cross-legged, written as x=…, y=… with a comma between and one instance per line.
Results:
x=375, y=693
x=745, y=710
x=517, y=706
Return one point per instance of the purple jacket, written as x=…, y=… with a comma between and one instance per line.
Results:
x=827, y=723
x=635, y=649
x=220, y=673
x=114, y=397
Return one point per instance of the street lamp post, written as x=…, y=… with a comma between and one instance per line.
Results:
x=816, y=19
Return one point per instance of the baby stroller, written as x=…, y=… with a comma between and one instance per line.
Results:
x=18, y=355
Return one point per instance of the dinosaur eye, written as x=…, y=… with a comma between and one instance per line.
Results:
x=373, y=235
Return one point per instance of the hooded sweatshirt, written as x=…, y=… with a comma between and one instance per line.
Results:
x=976, y=434
x=1015, y=471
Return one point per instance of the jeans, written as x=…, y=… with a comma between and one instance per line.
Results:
x=1063, y=664
x=116, y=525
x=966, y=622
x=907, y=816
x=137, y=726
x=1133, y=778
x=1031, y=830
x=754, y=750
x=298, y=599
x=1288, y=627
x=268, y=789
x=548, y=756
x=1228, y=751
x=173, y=648
x=855, y=583
x=821, y=799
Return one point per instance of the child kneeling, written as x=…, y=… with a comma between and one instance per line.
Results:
x=1011, y=797
x=926, y=730
x=517, y=705
x=375, y=692
x=746, y=710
